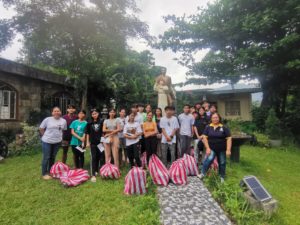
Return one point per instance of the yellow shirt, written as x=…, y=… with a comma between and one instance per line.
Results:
x=149, y=127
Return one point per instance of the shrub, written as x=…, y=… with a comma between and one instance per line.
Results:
x=273, y=125
x=262, y=139
x=238, y=126
x=259, y=116
x=31, y=143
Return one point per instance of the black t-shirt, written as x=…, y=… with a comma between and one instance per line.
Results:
x=94, y=129
x=217, y=137
x=200, y=123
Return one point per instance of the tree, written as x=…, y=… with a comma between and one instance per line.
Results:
x=79, y=37
x=246, y=40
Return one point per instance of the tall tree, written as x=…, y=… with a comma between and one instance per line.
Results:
x=80, y=36
x=246, y=40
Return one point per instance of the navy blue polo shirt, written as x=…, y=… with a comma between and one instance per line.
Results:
x=217, y=136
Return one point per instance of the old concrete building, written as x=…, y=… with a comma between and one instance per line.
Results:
x=25, y=89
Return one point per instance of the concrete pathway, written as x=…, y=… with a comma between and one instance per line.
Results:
x=190, y=204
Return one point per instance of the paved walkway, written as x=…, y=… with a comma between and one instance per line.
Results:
x=190, y=204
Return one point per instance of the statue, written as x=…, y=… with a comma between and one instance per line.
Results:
x=166, y=93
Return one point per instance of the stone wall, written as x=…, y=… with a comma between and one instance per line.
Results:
x=29, y=93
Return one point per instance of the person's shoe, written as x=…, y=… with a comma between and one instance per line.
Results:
x=222, y=180
x=200, y=176
x=93, y=179
x=47, y=177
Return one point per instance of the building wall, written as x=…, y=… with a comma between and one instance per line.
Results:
x=29, y=92
x=245, y=105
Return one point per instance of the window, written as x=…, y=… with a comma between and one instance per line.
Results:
x=232, y=108
x=62, y=100
x=8, y=98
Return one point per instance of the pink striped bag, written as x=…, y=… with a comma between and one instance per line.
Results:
x=158, y=171
x=191, y=165
x=135, y=182
x=75, y=177
x=214, y=166
x=144, y=160
x=178, y=172
x=59, y=170
x=110, y=171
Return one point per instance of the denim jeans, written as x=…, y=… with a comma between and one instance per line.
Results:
x=49, y=154
x=221, y=157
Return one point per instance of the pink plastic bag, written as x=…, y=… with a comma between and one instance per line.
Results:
x=178, y=173
x=135, y=182
x=158, y=171
x=59, y=170
x=144, y=160
x=75, y=177
x=110, y=171
x=191, y=165
x=214, y=166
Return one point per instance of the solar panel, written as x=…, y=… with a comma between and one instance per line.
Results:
x=257, y=188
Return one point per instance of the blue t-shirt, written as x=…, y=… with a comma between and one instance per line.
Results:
x=79, y=129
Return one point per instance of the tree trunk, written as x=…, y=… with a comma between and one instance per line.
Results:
x=84, y=94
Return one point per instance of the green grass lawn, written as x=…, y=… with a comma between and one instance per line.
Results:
x=279, y=171
x=27, y=199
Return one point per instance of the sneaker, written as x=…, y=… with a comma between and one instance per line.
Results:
x=222, y=180
x=47, y=177
x=93, y=179
x=200, y=176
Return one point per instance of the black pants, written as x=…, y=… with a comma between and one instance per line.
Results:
x=151, y=146
x=78, y=157
x=98, y=159
x=133, y=153
x=142, y=144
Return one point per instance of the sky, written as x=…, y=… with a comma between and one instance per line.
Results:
x=152, y=12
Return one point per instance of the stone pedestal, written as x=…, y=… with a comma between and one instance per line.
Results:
x=269, y=207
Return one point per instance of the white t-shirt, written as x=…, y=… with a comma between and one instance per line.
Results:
x=169, y=124
x=53, y=129
x=138, y=119
x=186, y=124
x=132, y=128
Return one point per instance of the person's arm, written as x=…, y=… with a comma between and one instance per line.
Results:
x=228, y=145
x=42, y=131
x=166, y=135
x=196, y=132
x=88, y=144
x=43, y=126
x=77, y=136
x=205, y=142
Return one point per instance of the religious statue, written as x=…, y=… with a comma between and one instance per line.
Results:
x=166, y=93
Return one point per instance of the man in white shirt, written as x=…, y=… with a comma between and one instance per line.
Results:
x=186, y=121
x=169, y=125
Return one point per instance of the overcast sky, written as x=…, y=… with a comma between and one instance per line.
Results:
x=152, y=12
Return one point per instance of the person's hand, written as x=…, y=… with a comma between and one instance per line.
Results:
x=88, y=145
x=106, y=135
x=208, y=150
x=199, y=137
x=228, y=152
x=168, y=139
x=82, y=139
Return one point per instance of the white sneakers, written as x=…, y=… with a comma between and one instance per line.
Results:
x=93, y=179
x=200, y=176
x=47, y=177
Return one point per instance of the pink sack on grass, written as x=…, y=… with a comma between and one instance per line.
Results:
x=191, y=165
x=135, y=181
x=144, y=160
x=158, y=171
x=110, y=171
x=178, y=172
x=75, y=177
x=59, y=170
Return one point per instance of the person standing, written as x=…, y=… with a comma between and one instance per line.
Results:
x=169, y=125
x=67, y=136
x=186, y=121
x=78, y=128
x=158, y=116
x=199, y=126
x=150, y=132
x=122, y=140
x=212, y=110
x=51, y=130
x=132, y=132
x=217, y=141
x=93, y=140
x=111, y=128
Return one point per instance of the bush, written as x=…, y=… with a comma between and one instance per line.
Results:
x=35, y=117
x=238, y=126
x=31, y=143
x=259, y=116
x=273, y=125
x=262, y=139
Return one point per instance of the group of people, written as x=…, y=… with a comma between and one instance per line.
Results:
x=123, y=139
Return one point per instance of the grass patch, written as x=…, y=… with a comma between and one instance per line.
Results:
x=26, y=199
x=277, y=169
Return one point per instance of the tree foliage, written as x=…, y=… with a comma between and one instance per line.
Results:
x=247, y=40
